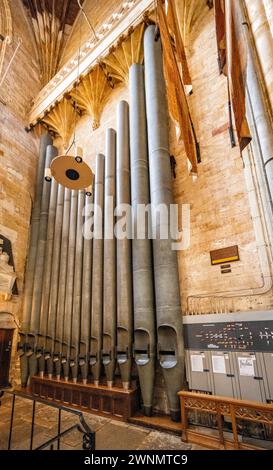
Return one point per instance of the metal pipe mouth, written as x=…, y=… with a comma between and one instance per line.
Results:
x=126, y=386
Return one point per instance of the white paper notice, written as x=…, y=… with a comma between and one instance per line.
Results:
x=246, y=366
x=197, y=363
x=218, y=364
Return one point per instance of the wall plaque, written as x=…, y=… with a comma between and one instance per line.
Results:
x=225, y=255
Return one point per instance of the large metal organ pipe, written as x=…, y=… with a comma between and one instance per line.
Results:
x=86, y=292
x=76, y=314
x=124, y=257
x=47, y=276
x=97, y=272
x=51, y=355
x=51, y=152
x=109, y=262
x=46, y=140
x=69, y=293
x=168, y=308
x=60, y=354
x=144, y=309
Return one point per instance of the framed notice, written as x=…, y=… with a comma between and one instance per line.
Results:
x=197, y=363
x=219, y=364
x=246, y=366
x=225, y=255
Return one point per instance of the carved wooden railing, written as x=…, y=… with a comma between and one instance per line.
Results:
x=220, y=407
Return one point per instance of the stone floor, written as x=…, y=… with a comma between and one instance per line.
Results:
x=110, y=434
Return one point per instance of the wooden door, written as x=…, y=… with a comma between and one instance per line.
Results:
x=5, y=355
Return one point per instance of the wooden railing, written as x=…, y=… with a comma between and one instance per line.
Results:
x=220, y=407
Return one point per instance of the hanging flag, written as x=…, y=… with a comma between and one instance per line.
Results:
x=174, y=29
x=232, y=48
x=220, y=26
x=177, y=102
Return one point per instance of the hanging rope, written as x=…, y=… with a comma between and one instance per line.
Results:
x=88, y=21
x=11, y=61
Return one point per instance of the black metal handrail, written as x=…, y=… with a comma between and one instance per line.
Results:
x=88, y=442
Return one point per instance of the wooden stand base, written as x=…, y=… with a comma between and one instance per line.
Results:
x=102, y=400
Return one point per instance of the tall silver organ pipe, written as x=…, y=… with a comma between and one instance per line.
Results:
x=45, y=140
x=167, y=292
x=97, y=272
x=51, y=352
x=76, y=314
x=51, y=152
x=58, y=350
x=69, y=285
x=124, y=256
x=86, y=291
x=143, y=288
x=46, y=282
x=109, y=262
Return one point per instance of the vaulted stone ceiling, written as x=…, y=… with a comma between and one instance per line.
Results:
x=51, y=22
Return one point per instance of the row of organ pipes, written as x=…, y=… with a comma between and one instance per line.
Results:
x=93, y=304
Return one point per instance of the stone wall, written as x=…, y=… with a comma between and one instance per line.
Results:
x=18, y=151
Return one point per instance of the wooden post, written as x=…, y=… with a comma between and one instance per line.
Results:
x=220, y=427
x=184, y=419
x=234, y=427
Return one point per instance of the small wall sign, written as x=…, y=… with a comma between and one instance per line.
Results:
x=225, y=255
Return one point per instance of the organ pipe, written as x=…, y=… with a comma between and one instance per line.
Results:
x=69, y=285
x=86, y=293
x=168, y=309
x=60, y=353
x=29, y=275
x=142, y=264
x=124, y=261
x=76, y=314
x=258, y=109
x=109, y=262
x=97, y=272
x=50, y=356
x=51, y=153
x=47, y=273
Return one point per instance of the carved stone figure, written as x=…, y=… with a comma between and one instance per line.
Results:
x=7, y=275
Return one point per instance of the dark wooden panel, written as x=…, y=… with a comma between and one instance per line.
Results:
x=116, y=402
